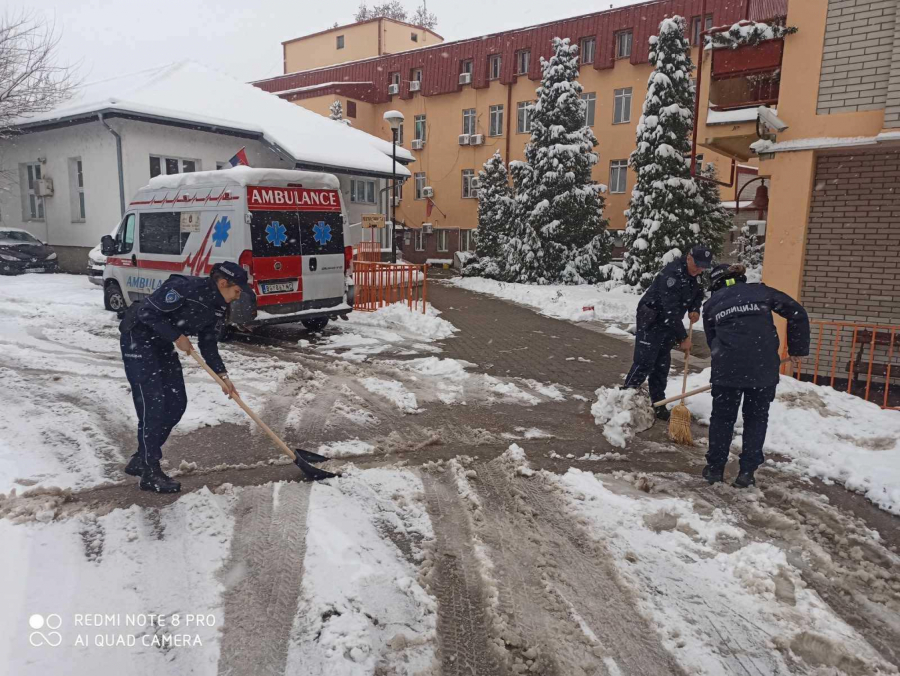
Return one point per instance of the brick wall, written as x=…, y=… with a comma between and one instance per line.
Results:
x=892, y=107
x=856, y=64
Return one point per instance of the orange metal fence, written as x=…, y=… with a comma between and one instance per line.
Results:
x=381, y=284
x=861, y=359
x=368, y=252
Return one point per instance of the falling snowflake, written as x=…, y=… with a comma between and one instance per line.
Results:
x=220, y=231
x=275, y=234
x=322, y=233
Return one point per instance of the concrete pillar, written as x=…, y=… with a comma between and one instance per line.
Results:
x=892, y=106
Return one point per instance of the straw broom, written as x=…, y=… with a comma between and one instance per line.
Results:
x=680, y=420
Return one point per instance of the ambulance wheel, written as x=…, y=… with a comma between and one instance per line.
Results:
x=113, y=298
x=224, y=332
x=315, y=324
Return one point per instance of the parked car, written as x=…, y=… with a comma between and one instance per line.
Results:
x=288, y=229
x=96, y=265
x=20, y=251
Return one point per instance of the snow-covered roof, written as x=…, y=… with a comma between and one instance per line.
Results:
x=821, y=143
x=244, y=176
x=733, y=116
x=190, y=92
x=323, y=85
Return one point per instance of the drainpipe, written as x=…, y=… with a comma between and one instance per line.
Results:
x=509, y=114
x=118, y=162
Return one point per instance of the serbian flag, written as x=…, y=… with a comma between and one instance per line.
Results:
x=240, y=157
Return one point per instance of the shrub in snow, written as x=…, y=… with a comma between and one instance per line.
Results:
x=748, y=249
x=337, y=113
x=663, y=216
x=496, y=213
x=715, y=220
x=750, y=33
x=559, y=234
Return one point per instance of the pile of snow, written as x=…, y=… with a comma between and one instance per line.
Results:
x=722, y=603
x=346, y=449
x=393, y=391
x=622, y=414
x=399, y=318
x=827, y=434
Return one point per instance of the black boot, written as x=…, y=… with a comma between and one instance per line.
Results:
x=745, y=479
x=154, y=479
x=663, y=413
x=135, y=466
x=714, y=475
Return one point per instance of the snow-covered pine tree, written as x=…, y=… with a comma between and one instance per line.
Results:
x=561, y=207
x=748, y=250
x=337, y=112
x=715, y=220
x=663, y=218
x=496, y=213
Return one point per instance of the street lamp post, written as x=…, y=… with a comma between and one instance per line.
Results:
x=394, y=118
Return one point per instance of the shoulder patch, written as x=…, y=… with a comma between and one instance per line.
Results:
x=172, y=296
x=670, y=282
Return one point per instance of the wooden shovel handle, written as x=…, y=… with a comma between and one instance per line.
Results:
x=684, y=395
x=240, y=402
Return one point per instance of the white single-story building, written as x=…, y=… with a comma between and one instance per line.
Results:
x=75, y=168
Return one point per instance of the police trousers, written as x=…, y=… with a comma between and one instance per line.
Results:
x=157, y=388
x=726, y=402
x=652, y=359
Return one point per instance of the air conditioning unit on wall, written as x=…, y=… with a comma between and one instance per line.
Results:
x=465, y=78
x=415, y=86
x=463, y=139
x=476, y=182
x=44, y=187
x=427, y=191
x=427, y=228
x=393, y=89
x=417, y=144
x=476, y=139
x=476, y=194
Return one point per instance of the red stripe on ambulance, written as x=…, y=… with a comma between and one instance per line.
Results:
x=292, y=199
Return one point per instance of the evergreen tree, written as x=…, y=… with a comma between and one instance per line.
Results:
x=560, y=234
x=337, y=113
x=664, y=216
x=496, y=213
x=748, y=249
x=715, y=220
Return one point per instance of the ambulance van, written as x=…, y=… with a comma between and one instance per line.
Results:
x=288, y=229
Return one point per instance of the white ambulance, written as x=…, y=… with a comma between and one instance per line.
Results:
x=288, y=229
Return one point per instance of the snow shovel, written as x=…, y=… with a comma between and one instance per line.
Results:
x=300, y=457
x=699, y=390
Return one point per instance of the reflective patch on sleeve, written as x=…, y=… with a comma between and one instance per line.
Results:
x=670, y=282
x=172, y=296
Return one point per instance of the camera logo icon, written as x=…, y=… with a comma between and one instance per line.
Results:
x=39, y=638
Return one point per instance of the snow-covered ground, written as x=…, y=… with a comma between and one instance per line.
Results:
x=826, y=434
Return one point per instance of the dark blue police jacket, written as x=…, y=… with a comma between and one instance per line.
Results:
x=666, y=300
x=741, y=334
x=190, y=306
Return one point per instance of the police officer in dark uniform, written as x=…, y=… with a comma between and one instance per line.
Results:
x=660, y=317
x=745, y=362
x=151, y=330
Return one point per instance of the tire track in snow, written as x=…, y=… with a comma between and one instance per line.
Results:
x=456, y=583
x=263, y=579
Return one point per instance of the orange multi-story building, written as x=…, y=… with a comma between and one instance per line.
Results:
x=464, y=100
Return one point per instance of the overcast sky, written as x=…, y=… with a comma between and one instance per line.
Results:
x=243, y=37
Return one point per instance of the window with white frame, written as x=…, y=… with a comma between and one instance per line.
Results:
x=166, y=166
x=523, y=117
x=590, y=107
x=395, y=79
x=420, y=127
x=467, y=240
x=624, y=40
x=76, y=189
x=588, y=49
x=340, y=41
x=222, y=165
x=416, y=75
x=468, y=118
x=695, y=28
x=467, y=66
x=523, y=61
x=420, y=185
x=443, y=240
x=362, y=191
x=420, y=240
x=622, y=105
x=494, y=63
x=468, y=191
x=496, y=116
x=618, y=174
x=400, y=134
x=34, y=208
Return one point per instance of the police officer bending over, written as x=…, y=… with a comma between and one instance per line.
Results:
x=744, y=343
x=660, y=317
x=181, y=307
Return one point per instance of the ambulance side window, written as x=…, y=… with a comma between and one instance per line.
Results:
x=161, y=233
x=125, y=236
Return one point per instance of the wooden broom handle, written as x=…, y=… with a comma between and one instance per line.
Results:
x=240, y=402
x=699, y=390
x=687, y=360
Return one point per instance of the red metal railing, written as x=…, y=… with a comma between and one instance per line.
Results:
x=381, y=284
x=368, y=252
x=839, y=358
